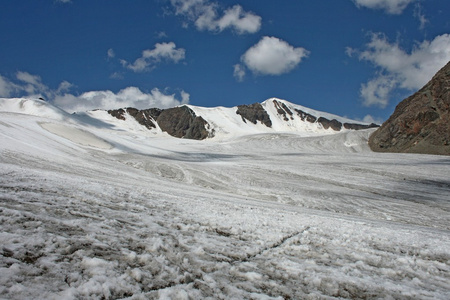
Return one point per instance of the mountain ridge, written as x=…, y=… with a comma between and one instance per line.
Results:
x=199, y=123
x=272, y=115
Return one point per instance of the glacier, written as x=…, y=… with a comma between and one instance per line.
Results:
x=97, y=208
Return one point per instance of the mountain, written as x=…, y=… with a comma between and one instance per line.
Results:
x=272, y=115
x=187, y=121
x=421, y=122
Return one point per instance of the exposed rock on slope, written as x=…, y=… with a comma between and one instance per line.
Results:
x=334, y=124
x=421, y=122
x=182, y=122
x=254, y=112
x=146, y=117
x=179, y=121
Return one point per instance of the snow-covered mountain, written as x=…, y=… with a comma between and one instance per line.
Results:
x=272, y=115
x=193, y=122
x=97, y=207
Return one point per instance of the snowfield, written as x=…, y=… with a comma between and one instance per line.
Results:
x=97, y=208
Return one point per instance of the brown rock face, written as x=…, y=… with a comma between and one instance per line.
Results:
x=144, y=117
x=179, y=122
x=421, y=122
x=253, y=113
x=283, y=110
x=182, y=122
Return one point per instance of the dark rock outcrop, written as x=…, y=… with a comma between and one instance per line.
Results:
x=355, y=126
x=146, y=117
x=179, y=122
x=182, y=122
x=253, y=113
x=305, y=116
x=421, y=122
x=334, y=124
x=283, y=110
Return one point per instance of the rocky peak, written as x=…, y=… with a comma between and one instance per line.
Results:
x=421, y=122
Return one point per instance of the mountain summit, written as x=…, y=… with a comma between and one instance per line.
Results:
x=421, y=122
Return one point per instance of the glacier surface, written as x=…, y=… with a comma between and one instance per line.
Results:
x=94, y=208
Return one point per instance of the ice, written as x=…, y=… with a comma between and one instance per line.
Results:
x=252, y=216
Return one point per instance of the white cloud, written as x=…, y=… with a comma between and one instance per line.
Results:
x=371, y=119
x=272, y=56
x=149, y=58
x=32, y=83
x=418, y=13
x=376, y=91
x=128, y=97
x=7, y=88
x=399, y=69
x=116, y=75
x=161, y=34
x=64, y=87
x=239, y=72
x=205, y=15
x=111, y=53
x=31, y=86
x=390, y=6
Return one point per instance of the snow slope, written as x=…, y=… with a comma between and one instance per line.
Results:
x=91, y=209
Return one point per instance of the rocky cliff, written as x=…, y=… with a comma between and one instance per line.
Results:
x=421, y=122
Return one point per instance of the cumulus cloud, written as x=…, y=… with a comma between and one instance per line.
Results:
x=31, y=86
x=207, y=15
x=390, y=6
x=150, y=57
x=396, y=68
x=270, y=56
x=128, y=97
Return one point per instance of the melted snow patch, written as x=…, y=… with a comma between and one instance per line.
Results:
x=76, y=135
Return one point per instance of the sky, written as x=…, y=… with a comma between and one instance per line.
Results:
x=353, y=58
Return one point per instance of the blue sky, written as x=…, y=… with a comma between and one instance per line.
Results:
x=354, y=58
